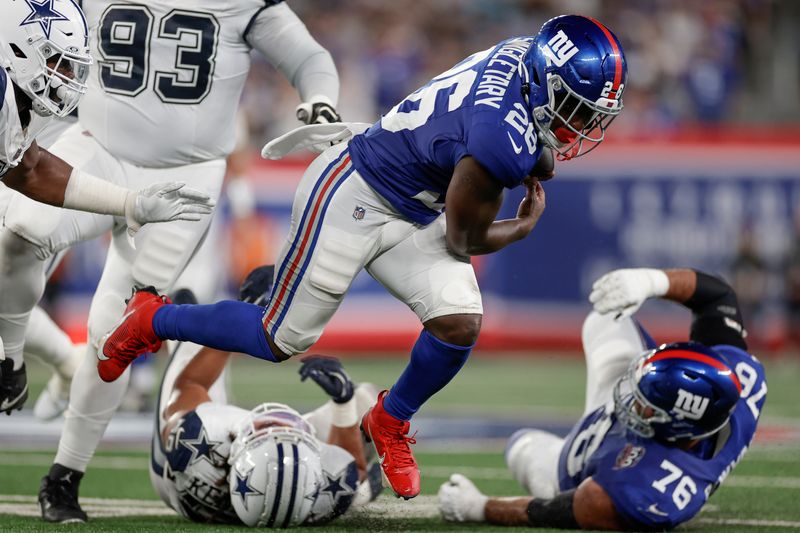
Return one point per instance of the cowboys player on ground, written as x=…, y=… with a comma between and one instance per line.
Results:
x=663, y=426
x=162, y=107
x=375, y=203
x=216, y=462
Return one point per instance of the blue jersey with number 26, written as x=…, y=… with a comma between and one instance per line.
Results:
x=474, y=109
x=653, y=484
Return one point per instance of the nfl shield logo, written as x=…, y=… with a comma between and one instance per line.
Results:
x=359, y=212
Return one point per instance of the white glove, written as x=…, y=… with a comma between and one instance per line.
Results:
x=315, y=137
x=624, y=291
x=461, y=501
x=164, y=202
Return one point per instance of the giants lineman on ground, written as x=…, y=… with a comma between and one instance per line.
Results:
x=161, y=107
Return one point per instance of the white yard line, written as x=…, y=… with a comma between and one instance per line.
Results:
x=746, y=522
x=384, y=507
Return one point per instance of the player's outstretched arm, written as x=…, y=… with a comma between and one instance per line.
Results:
x=472, y=203
x=278, y=34
x=193, y=383
x=48, y=179
x=717, y=318
x=587, y=507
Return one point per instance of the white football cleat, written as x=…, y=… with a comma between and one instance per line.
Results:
x=54, y=399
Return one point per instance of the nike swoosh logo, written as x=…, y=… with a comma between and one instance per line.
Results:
x=100, y=354
x=656, y=511
x=517, y=149
x=381, y=458
x=7, y=403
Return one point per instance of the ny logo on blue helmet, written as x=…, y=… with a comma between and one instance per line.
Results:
x=677, y=391
x=576, y=73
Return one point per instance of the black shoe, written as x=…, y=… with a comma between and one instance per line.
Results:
x=13, y=387
x=183, y=296
x=58, y=498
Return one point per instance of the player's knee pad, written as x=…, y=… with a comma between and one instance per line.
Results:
x=453, y=291
x=532, y=457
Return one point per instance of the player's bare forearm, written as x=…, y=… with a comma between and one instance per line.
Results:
x=40, y=176
x=500, y=234
x=349, y=438
x=471, y=206
x=193, y=383
x=507, y=511
x=682, y=284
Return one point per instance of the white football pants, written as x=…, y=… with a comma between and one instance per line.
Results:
x=340, y=226
x=609, y=345
x=34, y=232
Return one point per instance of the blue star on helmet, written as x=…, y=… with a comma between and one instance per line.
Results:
x=243, y=488
x=334, y=486
x=43, y=13
x=201, y=448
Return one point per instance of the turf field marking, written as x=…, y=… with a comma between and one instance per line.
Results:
x=96, y=507
x=385, y=507
x=748, y=522
x=492, y=473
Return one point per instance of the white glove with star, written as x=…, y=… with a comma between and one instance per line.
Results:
x=624, y=291
x=165, y=202
x=461, y=501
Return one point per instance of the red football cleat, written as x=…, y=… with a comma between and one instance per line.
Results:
x=388, y=435
x=132, y=336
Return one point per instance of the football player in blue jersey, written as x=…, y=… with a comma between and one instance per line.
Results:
x=663, y=426
x=487, y=124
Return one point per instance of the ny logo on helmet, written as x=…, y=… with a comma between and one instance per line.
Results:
x=559, y=49
x=692, y=406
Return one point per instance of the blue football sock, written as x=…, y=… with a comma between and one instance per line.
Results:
x=433, y=364
x=228, y=325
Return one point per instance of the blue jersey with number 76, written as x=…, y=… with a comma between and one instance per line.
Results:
x=654, y=484
x=474, y=109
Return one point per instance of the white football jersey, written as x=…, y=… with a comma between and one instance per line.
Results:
x=190, y=471
x=168, y=76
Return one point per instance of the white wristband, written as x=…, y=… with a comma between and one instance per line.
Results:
x=659, y=282
x=344, y=415
x=85, y=192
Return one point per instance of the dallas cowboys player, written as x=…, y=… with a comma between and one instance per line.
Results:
x=207, y=456
x=162, y=107
x=663, y=427
x=44, y=64
x=375, y=203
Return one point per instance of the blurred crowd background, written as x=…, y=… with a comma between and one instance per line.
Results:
x=691, y=63
x=713, y=73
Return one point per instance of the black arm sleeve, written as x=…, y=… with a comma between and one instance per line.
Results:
x=717, y=318
x=556, y=513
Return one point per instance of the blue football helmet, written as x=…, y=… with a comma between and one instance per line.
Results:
x=576, y=73
x=677, y=391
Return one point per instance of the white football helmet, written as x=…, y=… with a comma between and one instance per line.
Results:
x=276, y=470
x=44, y=50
